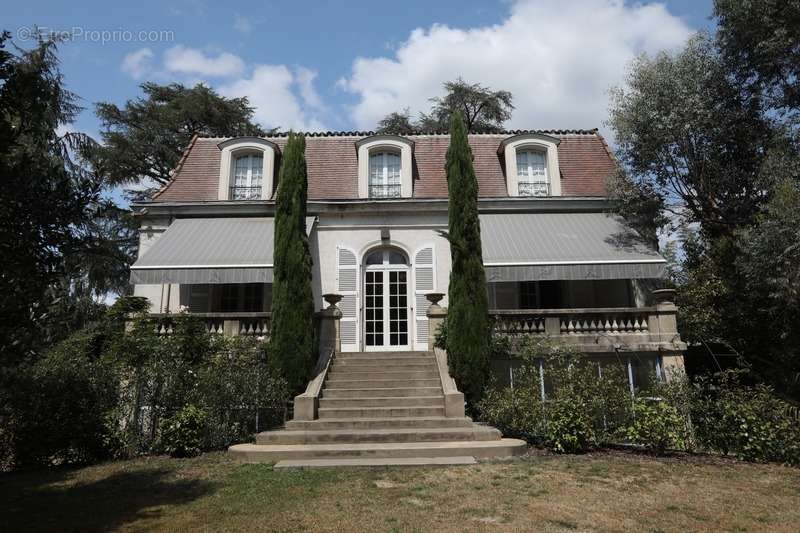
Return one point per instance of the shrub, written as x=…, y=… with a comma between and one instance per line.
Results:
x=58, y=404
x=183, y=433
x=582, y=409
x=656, y=425
x=749, y=421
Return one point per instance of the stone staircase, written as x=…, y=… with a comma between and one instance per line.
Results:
x=380, y=408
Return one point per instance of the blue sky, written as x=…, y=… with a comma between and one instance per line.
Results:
x=342, y=65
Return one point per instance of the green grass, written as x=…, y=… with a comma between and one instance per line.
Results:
x=599, y=492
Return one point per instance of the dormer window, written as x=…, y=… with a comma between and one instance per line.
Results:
x=531, y=164
x=247, y=166
x=532, y=173
x=247, y=177
x=384, y=174
x=384, y=167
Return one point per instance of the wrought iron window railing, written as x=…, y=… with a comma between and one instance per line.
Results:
x=384, y=191
x=534, y=188
x=245, y=193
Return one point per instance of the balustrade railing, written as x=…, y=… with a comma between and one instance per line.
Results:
x=572, y=322
x=251, y=324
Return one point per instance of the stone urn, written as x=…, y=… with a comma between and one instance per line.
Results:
x=664, y=296
x=332, y=299
x=434, y=297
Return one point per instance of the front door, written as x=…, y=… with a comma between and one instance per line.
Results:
x=386, y=301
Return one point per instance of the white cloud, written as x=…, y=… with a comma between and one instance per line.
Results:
x=557, y=58
x=305, y=79
x=137, y=63
x=191, y=61
x=272, y=91
x=242, y=24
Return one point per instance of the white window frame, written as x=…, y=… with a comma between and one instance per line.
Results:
x=384, y=180
x=249, y=178
x=231, y=149
x=385, y=143
x=531, y=142
x=527, y=175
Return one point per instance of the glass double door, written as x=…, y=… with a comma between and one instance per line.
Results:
x=386, y=309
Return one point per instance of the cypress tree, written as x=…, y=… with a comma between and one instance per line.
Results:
x=468, y=311
x=292, y=346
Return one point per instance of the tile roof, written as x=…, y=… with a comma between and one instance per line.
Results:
x=584, y=160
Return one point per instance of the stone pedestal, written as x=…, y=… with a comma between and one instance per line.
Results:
x=328, y=319
x=436, y=316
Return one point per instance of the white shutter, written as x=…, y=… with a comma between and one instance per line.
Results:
x=424, y=269
x=347, y=286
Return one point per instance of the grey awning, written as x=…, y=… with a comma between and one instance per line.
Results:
x=211, y=250
x=564, y=246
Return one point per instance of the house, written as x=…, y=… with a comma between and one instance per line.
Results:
x=557, y=262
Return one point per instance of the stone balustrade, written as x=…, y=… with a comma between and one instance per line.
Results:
x=651, y=328
x=250, y=324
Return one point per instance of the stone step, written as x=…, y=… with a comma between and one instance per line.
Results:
x=393, y=392
x=379, y=423
x=393, y=361
x=255, y=453
x=335, y=373
x=379, y=355
x=473, y=433
x=344, y=383
x=379, y=412
x=402, y=401
x=397, y=461
x=388, y=367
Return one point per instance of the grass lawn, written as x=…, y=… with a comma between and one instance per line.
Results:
x=606, y=492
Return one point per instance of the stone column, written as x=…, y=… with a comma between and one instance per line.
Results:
x=436, y=315
x=663, y=324
x=664, y=329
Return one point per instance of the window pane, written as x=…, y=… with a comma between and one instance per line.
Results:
x=375, y=258
x=643, y=369
x=240, y=172
x=393, y=169
x=376, y=169
x=256, y=168
x=396, y=258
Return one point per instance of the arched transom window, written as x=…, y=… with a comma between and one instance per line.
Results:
x=384, y=174
x=247, y=177
x=532, y=178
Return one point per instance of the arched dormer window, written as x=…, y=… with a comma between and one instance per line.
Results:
x=246, y=170
x=384, y=167
x=532, y=165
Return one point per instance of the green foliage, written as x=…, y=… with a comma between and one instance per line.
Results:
x=59, y=404
x=748, y=421
x=468, y=313
x=656, y=425
x=111, y=390
x=582, y=409
x=144, y=140
x=293, y=344
x=483, y=109
x=182, y=434
x=759, y=40
x=57, y=239
x=396, y=123
x=687, y=137
x=707, y=150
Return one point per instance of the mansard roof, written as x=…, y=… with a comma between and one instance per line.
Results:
x=332, y=158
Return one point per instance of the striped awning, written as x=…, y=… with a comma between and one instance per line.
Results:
x=211, y=250
x=564, y=246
